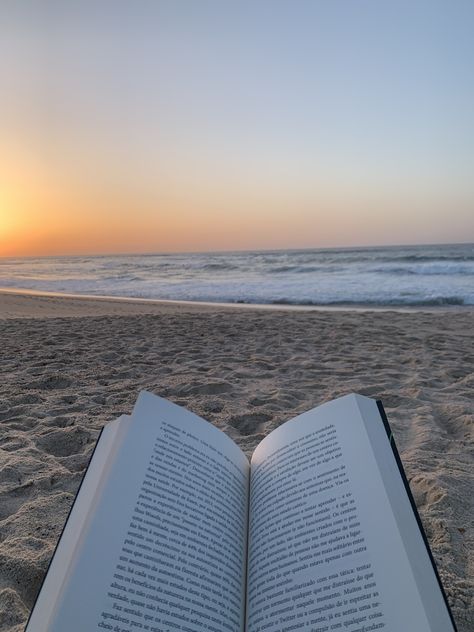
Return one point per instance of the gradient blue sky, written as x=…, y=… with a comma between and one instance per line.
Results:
x=198, y=124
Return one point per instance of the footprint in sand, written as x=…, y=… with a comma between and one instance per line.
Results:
x=12, y=499
x=12, y=608
x=64, y=442
x=12, y=443
x=426, y=490
x=55, y=381
x=251, y=423
x=210, y=388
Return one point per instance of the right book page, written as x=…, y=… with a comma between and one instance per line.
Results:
x=334, y=543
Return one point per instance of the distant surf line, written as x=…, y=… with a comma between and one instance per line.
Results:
x=349, y=307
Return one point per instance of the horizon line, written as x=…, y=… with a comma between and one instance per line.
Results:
x=150, y=253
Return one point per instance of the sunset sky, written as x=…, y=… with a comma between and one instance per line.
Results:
x=169, y=125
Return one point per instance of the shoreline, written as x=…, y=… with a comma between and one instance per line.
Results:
x=22, y=303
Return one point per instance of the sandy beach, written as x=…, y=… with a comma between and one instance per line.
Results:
x=70, y=365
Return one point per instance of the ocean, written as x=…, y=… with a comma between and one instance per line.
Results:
x=438, y=275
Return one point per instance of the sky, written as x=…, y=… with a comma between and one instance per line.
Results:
x=194, y=125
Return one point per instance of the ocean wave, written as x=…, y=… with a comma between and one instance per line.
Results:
x=295, y=269
x=414, y=276
x=435, y=268
x=218, y=266
x=419, y=258
x=121, y=278
x=437, y=301
x=376, y=256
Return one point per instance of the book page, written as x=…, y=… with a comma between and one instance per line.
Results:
x=325, y=550
x=166, y=547
x=71, y=537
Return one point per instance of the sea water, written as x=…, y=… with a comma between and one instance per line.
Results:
x=438, y=275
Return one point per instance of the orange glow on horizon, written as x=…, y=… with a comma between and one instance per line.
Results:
x=44, y=211
x=47, y=208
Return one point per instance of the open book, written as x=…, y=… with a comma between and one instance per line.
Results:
x=174, y=530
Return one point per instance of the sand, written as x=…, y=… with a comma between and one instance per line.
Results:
x=71, y=365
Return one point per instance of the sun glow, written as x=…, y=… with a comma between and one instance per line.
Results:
x=12, y=220
x=141, y=132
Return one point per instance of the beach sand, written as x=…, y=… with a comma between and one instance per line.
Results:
x=71, y=365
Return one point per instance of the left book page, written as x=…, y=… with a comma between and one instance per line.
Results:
x=161, y=529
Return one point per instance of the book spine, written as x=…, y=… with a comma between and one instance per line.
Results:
x=391, y=440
